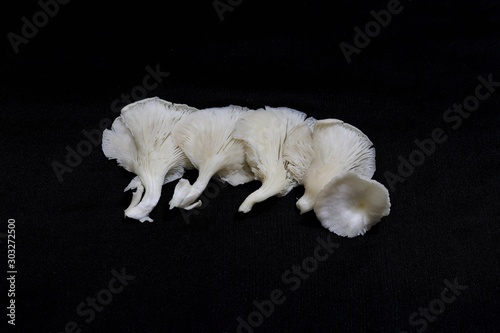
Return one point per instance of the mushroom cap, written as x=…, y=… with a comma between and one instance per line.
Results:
x=338, y=148
x=341, y=147
x=277, y=147
x=206, y=138
x=349, y=205
x=298, y=151
x=275, y=138
x=118, y=143
x=140, y=140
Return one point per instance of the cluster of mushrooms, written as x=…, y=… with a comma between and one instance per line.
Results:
x=280, y=147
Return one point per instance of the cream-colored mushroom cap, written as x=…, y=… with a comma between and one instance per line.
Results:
x=349, y=205
x=147, y=149
x=206, y=138
x=338, y=148
x=277, y=148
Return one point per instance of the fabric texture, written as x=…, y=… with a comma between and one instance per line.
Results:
x=424, y=87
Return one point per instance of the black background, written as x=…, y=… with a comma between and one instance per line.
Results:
x=200, y=276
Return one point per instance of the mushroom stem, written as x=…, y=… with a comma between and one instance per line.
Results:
x=270, y=187
x=137, y=195
x=185, y=194
x=153, y=185
x=306, y=202
x=194, y=193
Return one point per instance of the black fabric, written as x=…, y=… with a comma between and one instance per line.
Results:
x=213, y=269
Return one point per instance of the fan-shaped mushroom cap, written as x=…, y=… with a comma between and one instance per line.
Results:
x=278, y=150
x=338, y=148
x=206, y=138
x=349, y=205
x=140, y=140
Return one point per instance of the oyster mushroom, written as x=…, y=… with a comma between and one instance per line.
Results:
x=147, y=149
x=278, y=150
x=350, y=204
x=206, y=137
x=338, y=148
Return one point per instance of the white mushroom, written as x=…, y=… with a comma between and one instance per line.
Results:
x=278, y=150
x=206, y=137
x=338, y=148
x=119, y=144
x=350, y=204
x=147, y=150
x=136, y=185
